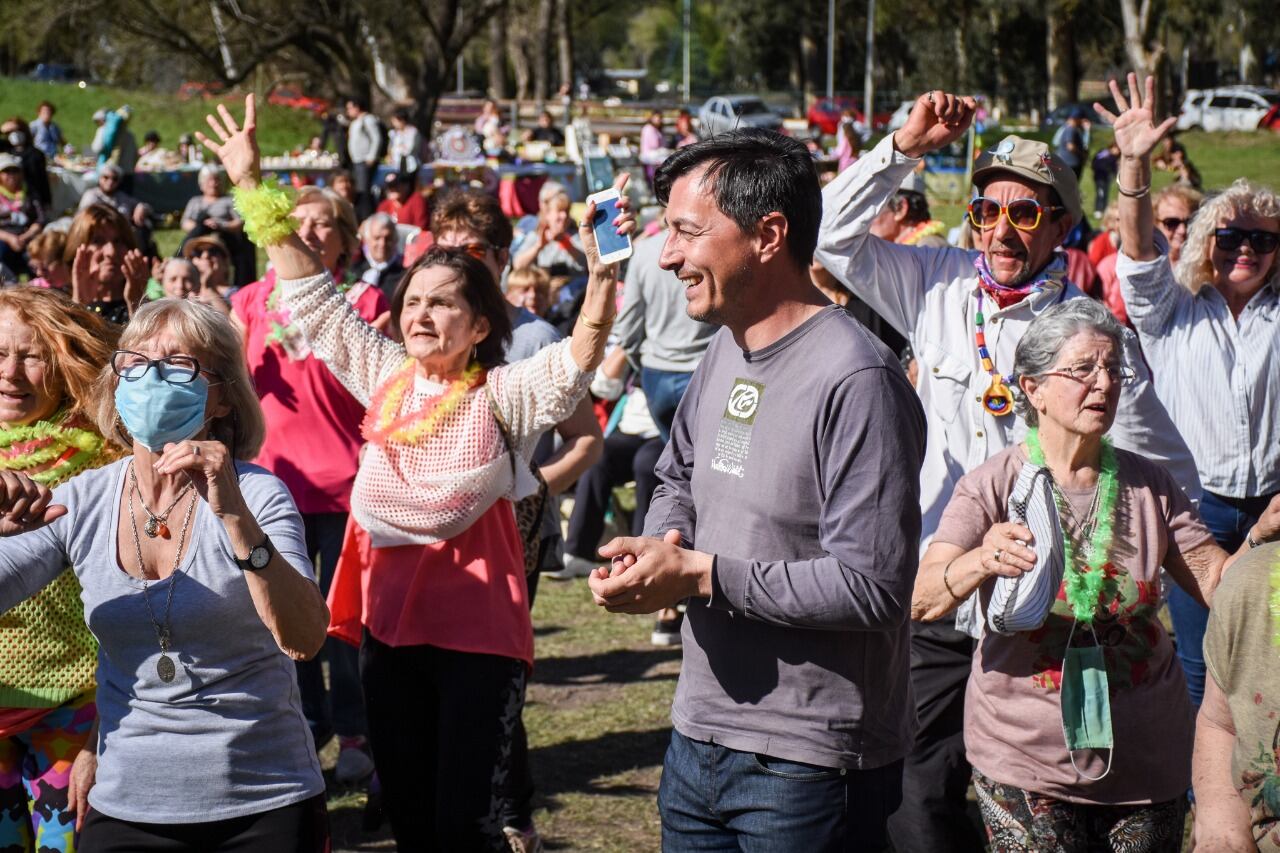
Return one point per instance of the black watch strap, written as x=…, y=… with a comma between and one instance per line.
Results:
x=259, y=556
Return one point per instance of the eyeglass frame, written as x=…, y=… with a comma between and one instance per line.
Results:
x=1245, y=235
x=156, y=362
x=1164, y=223
x=1041, y=208
x=1122, y=374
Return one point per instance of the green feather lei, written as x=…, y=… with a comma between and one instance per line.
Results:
x=267, y=211
x=1085, y=586
x=49, y=451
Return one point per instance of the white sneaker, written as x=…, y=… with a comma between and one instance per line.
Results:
x=354, y=765
x=574, y=567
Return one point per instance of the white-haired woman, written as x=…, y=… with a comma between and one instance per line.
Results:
x=196, y=582
x=1210, y=328
x=1077, y=721
x=553, y=244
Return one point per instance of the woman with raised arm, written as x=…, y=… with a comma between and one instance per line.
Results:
x=431, y=581
x=1076, y=721
x=1210, y=328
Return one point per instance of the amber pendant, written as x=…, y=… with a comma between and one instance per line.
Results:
x=999, y=399
x=155, y=527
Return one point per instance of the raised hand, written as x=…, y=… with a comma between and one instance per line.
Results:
x=626, y=222
x=1136, y=132
x=212, y=472
x=25, y=504
x=135, y=278
x=237, y=147
x=83, y=289
x=937, y=119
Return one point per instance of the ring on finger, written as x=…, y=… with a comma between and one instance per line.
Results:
x=999, y=555
x=195, y=449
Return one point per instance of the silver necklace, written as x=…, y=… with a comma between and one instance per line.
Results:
x=164, y=666
x=157, y=524
x=1086, y=525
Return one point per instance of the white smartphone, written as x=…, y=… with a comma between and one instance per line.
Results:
x=613, y=246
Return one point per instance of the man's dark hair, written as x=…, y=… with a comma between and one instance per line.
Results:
x=402, y=113
x=753, y=173
x=360, y=101
x=917, y=205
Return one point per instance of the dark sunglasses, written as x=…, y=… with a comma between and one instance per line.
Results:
x=1023, y=213
x=1230, y=239
x=1173, y=224
x=208, y=252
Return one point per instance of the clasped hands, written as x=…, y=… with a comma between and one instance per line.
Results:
x=647, y=574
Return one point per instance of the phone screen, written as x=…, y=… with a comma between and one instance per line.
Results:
x=607, y=237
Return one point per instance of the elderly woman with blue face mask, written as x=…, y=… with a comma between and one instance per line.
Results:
x=197, y=585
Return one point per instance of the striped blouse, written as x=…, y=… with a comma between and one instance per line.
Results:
x=1218, y=376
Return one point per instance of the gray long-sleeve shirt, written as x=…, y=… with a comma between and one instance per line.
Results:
x=653, y=326
x=797, y=466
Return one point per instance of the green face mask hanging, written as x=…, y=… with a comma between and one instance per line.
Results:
x=1086, y=703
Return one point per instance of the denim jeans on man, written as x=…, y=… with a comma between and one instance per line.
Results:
x=663, y=389
x=715, y=798
x=1229, y=520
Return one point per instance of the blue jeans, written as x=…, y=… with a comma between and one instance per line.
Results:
x=1229, y=520
x=717, y=799
x=663, y=389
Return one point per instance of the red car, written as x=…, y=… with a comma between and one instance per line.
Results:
x=1271, y=121
x=288, y=97
x=824, y=114
x=195, y=89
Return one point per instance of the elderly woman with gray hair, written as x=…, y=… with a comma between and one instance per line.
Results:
x=1077, y=721
x=1210, y=328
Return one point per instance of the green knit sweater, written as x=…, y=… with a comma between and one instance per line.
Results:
x=47, y=655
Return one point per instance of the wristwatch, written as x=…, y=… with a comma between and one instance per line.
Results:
x=259, y=556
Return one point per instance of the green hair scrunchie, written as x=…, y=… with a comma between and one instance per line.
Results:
x=267, y=211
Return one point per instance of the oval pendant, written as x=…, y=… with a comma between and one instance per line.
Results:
x=999, y=399
x=165, y=669
x=151, y=528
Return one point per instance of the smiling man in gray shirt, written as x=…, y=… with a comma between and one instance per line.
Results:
x=788, y=507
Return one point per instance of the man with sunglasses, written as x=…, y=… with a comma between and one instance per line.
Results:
x=209, y=255
x=964, y=313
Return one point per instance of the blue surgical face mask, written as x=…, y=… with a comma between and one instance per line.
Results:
x=156, y=412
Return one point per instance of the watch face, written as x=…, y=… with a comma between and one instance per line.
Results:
x=259, y=557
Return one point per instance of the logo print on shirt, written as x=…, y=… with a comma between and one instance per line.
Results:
x=733, y=438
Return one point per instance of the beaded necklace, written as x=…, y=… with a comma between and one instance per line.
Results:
x=383, y=421
x=1084, y=587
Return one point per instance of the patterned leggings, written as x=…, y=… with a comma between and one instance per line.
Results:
x=1021, y=821
x=35, y=770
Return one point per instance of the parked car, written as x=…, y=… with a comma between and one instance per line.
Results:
x=1226, y=108
x=1271, y=121
x=197, y=89
x=825, y=113
x=728, y=112
x=57, y=72
x=1058, y=117
x=287, y=96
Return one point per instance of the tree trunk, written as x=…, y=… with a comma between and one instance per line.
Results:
x=518, y=51
x=498, y=55
x=1146, y=55
x=564, y=43
x=1060, y=53
x=808, y=64
x=542, y=52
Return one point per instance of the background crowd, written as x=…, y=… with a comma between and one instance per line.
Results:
x=1071, y=428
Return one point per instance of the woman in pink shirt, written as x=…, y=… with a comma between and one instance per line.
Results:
x=313, y=439
x=431, y=581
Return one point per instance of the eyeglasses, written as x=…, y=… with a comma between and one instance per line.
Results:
x=1173, y=224
x=1023, y=213
x=1086, y=373
x=174, y=369
x=206, y=252
x=1230, y=239
x=475, y=250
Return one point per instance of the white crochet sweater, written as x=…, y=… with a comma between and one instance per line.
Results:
x=417, y=494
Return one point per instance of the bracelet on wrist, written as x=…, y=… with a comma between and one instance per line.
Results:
x=1251, y=542
x=598, y=325
x=947, y=583
x=267, y=212
x=1128, y=193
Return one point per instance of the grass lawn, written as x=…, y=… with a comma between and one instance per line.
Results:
x=280, y=128
x=598, y=721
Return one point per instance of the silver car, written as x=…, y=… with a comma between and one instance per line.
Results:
x=729, y=112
